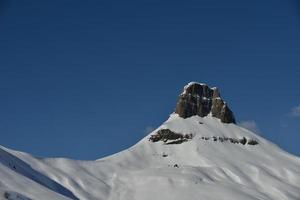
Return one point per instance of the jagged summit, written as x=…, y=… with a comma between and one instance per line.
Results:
x=199, y=99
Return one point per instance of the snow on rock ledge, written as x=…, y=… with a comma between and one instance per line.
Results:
x=199, y=99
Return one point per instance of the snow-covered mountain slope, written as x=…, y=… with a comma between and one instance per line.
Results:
x=214, y=162
x=207, y=169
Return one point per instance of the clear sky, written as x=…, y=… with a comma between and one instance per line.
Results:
x=85, y=79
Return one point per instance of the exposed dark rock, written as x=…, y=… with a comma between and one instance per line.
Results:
x=252, y=142
x=166, y=134
x=227, y=115
x=243, y=141
x=199, y=99
x=6, y=195
x=14, y=195
x=234, y=141
x=188, y=136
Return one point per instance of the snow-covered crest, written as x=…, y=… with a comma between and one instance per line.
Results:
x=209, y=164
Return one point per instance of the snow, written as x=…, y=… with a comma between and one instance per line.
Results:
x=193, y=83
x=206, y=169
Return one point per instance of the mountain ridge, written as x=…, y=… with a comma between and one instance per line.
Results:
x=206, y=165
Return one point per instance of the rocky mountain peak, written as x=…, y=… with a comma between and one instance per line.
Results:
x=199, y=99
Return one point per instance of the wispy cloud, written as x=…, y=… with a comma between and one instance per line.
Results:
x=250, y=125
x=295, y=111
x=148, y=129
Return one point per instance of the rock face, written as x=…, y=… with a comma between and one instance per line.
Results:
x=166, y=134
x=199, y=99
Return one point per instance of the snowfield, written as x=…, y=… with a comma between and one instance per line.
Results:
x=194, y=169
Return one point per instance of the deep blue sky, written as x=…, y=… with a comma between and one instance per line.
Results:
x=84, y=79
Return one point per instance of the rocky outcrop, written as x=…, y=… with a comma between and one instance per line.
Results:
x=166, y=134
x=199, y=99
x=242, y=141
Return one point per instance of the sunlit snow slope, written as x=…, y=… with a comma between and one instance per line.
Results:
x=198, y=153
x=204, y=169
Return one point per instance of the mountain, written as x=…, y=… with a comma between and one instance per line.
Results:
x=197, y=153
